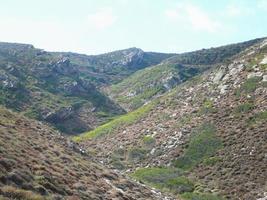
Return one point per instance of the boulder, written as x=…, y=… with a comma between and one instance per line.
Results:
x=254, y=74
x=264, y=61
x=218, y=76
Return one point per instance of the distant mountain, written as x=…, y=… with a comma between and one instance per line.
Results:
x=206, y=138
x=113, y=67
x=63, y=88
x=142, y=86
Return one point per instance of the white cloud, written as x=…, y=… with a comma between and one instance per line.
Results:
x=102, y=19
x=194, y=16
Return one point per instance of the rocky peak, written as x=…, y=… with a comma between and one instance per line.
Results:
x=63, y=66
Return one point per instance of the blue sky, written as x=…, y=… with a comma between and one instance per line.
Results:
x=98, y=26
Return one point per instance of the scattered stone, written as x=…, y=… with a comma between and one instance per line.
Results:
x=254, y=74
x=218, y=76
x=264, y=61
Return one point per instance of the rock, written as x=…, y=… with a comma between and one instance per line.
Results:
x=218, y=76
x=235, y=69
x=264, y=78
x=254, y=74
x=152, y=151
x=131, y=58
x=170, y=81
x=264, y=61
x=223, y=88
x=6, y=81
x=64, y=67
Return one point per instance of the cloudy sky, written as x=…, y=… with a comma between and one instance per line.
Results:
x=98, y=26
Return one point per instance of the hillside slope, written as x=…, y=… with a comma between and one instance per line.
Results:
x=144, y=85
x=63, y=88
x=37, y=163
x=204, y=139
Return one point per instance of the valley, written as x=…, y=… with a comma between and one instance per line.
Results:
x=132, y=124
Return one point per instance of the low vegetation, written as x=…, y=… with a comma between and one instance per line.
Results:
x=207, y=107
x=244, y=108
x=148, y=141
x=168, y=179
x=200, y=196
x=20, y=194
x=258, y=117
x=249, y=86
x=116, y=123
x=203, y=144
x=171, y=180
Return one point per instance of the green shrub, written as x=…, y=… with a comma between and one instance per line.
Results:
x=259, y=117
x=244, y=108
x=207, y=107
x=180, y=185
x=202, y=145
x=250, y=85
x=148, y=141
x=20, y=194
x=136, y=154
x=117, y=164
x=200, y=196
x=168, y=179
x=211, y=161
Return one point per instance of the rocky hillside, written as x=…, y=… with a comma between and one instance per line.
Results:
x=205, y=139
x=76, y=93
x=144, y=85
x=38, y=163
x=63, y=88
x=109, y=68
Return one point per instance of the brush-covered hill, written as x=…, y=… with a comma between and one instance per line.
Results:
x=142, y=86
x=205, y=139
x=63, y=88
x=38, y=163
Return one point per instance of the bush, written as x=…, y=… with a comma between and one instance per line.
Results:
x=201, y=146
x=169, y=179
x=199, y=196
x=136, y=154
x=250, y=85
x=259, y=117
x=180, y=185
x=211, y=161
x=244, y=108
x=20, y=194
x=148, y=141
x=207, y=107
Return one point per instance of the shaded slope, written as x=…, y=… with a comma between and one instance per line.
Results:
x=37, y=163
x=211, y=128
x=148, y=83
